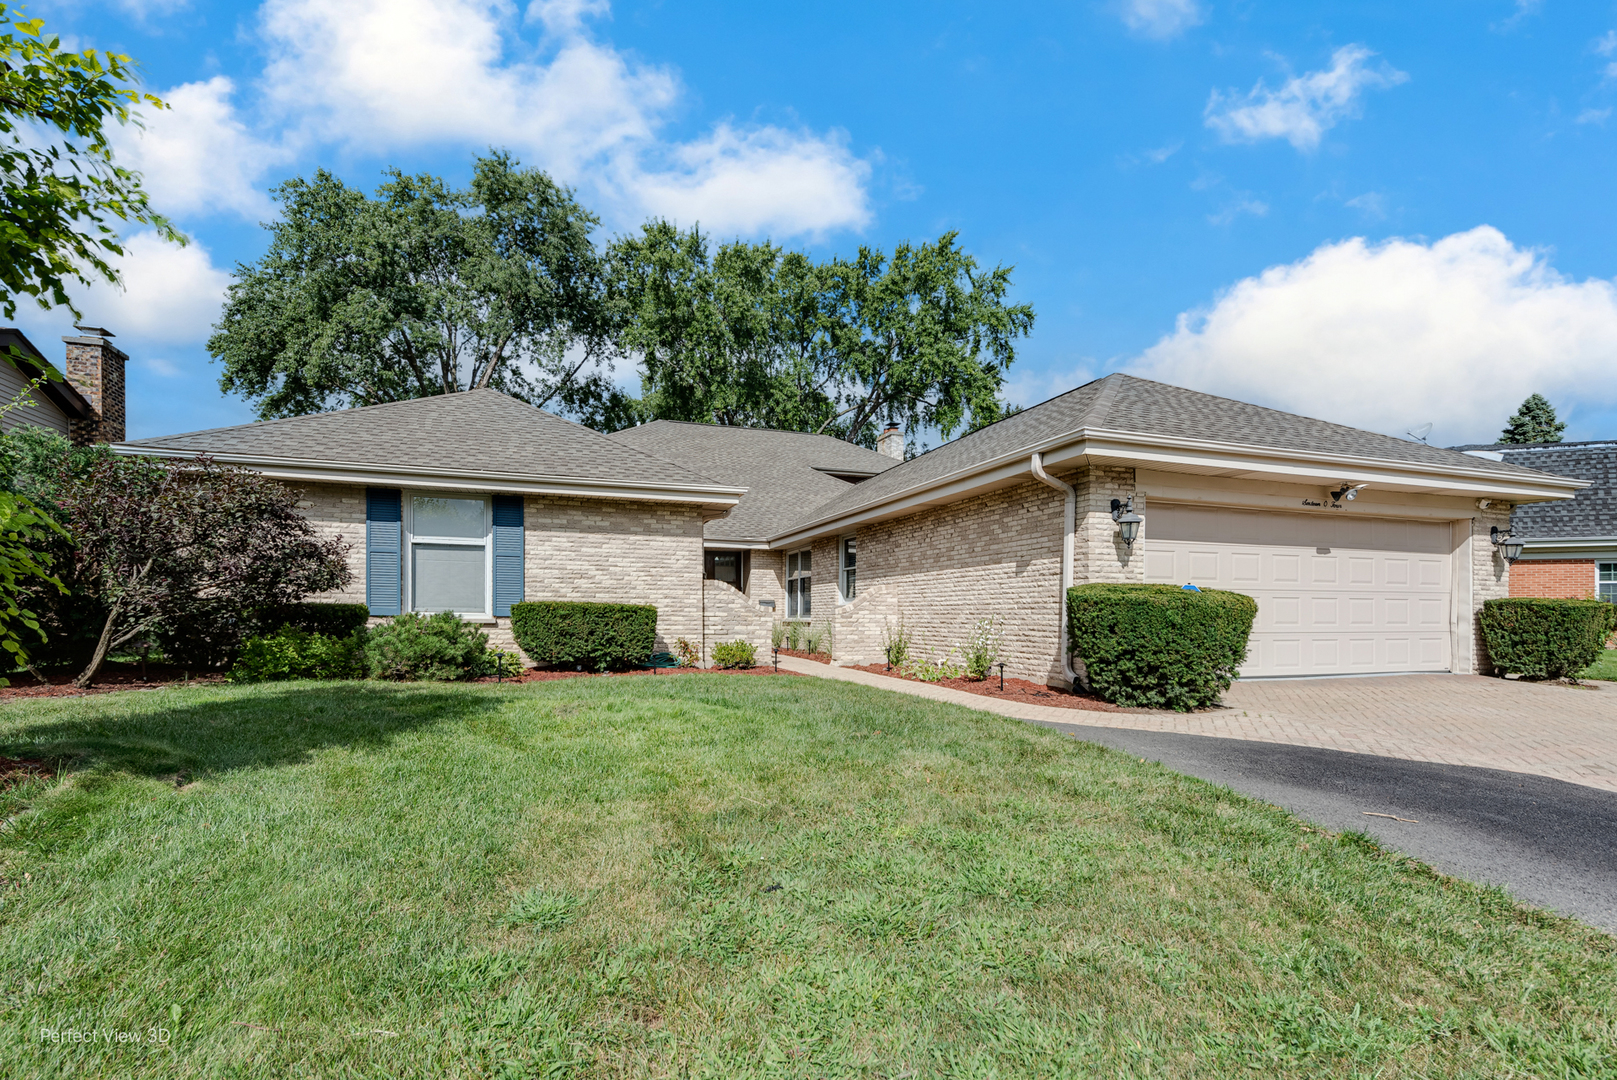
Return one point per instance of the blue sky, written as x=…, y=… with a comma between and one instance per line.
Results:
x=1384, y=214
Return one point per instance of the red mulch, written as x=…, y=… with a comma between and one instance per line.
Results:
x=1015, y=690
x=804, y=654
x=113, y=677
x=535, y=675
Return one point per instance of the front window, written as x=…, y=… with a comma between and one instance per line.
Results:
x=849, y=583
x=449, y=554
x=799, y=585
x=1608, y=582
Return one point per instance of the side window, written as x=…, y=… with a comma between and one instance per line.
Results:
x=799, y=585
x=850, y=587
x=1608, y=582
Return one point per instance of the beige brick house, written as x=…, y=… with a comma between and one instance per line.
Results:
x=1366, y=553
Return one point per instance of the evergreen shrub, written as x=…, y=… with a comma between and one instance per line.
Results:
x=1543, y=638
x=598, y=637
x=1159, y=646
x=434, y=648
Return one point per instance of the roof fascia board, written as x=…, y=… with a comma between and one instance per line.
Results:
x=1553, y=544
x=735, y=545
x=1160, y=450
x=400, y=476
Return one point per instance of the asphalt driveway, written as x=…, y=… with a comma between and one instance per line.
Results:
x=1549, y=842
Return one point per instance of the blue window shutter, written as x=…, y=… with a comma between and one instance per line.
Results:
x=384, y=555
x=507, y=552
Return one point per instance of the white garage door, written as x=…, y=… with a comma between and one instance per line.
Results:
x=1337, y=594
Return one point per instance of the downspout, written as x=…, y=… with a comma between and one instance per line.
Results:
x=1069, y=527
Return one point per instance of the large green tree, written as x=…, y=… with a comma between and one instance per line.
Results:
x=424, y=289
x=1534, y=422
x=751, y=334
x=63, y=198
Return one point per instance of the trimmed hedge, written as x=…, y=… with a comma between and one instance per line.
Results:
x=293, y=653
x=1541, y=638
x=1159, y=646
x=315, y=617
x=599, y=637
x=436, y=648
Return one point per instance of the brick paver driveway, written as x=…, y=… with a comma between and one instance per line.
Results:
x=1564, y=732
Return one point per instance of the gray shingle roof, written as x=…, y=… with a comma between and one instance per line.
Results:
x=785, y=472
x=1592, y=512
x=1124, y=403
x=470, y=433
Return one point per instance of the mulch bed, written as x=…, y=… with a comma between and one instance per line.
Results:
x=1015, y=690
x=114, y=676
x=14, y=771
x=535, y=675
x=804, y=654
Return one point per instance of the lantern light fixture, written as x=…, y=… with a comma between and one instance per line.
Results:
x=1509, y=546
x=1128, y=522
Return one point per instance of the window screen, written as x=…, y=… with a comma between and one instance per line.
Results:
x=449, y=577
x=459, y=518
x=1608, y=582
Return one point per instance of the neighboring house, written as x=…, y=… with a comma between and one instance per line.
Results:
x=1366, y=553
x=1569, y=547
x=87, y=406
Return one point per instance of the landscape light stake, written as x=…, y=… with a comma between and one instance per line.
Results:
x=777, y=659
x=1002, y=676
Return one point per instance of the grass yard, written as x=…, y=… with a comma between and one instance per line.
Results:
x=1603, y=668
x=710, y=876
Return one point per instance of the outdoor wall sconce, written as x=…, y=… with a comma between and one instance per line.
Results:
x=1347, y=492
x=1508, y=545
x=1128, y=522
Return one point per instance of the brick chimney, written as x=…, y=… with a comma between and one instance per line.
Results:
x=95, y=366
x=891, y=442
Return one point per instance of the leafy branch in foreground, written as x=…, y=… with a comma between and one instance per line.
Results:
x=59, y=185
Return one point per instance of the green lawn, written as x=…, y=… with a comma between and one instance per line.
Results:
x=710, y=876
x=1603, y=668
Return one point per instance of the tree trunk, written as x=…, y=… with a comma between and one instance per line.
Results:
x=102, y=647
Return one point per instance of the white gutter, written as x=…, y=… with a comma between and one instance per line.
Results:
x=1069, y=527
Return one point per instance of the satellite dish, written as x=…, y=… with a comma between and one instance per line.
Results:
x=1419, y=434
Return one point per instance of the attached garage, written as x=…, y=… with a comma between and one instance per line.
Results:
x=1338, y=593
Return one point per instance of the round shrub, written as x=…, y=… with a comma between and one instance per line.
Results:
x=1541, y=638
x=1159, y=646
x=734, y=654
x=599, y=637
x=434, y=648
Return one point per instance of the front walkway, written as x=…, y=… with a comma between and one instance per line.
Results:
x=1556, y=731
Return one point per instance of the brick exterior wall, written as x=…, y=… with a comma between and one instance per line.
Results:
x=1098, y=553
x=1490, y=580
x=729, y=614
x=604, y=550
x=96, y=369
x=1570, y=578
x=942, y=569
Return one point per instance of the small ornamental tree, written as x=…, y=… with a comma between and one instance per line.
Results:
x=159, y=542
x=1534, y=422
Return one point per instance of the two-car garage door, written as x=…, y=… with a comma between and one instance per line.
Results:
x=1337, y=593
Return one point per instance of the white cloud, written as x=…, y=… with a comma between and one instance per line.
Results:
x=170, y=295
x=1386, y=336
x=1242, y=204
x=378, y=74
x=1594, y=116
x=1161, y=18
x=1606, y=44
x=144, y=9
x=197, y=156
x=1303, y=109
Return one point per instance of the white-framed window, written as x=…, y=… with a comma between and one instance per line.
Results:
x=1606, y=581
x=849, y=553
x=449, y=559
x=799, y=584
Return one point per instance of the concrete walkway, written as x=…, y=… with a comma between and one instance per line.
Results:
x=1561, y=732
